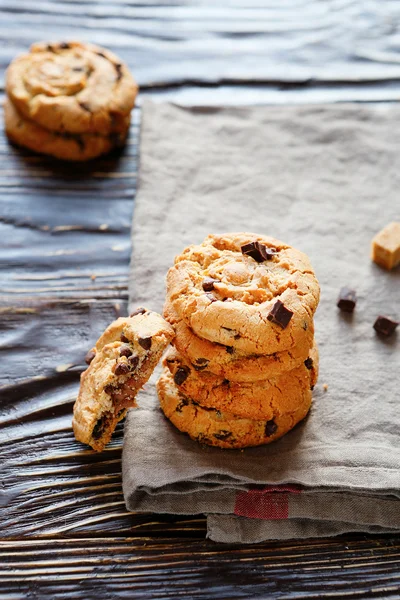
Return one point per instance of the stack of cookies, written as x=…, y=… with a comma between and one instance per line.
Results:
x=244, y=360
x=69, y=100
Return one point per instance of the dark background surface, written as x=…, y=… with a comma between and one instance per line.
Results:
x=64, y=236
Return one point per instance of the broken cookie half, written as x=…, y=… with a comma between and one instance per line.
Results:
x=121, y=363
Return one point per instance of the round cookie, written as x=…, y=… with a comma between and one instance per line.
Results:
x=227, y=361
x=64, y=146
x=72, y=87
x=215, y=428
x=259, y=400
x=244, y=290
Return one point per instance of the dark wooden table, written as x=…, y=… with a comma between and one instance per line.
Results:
x=64, y=230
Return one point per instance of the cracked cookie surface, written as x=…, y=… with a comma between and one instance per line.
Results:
x=246, y=291
x=78, y=147
x=217, y=428
x=229, y=362
x=259, y=400
x=72, y=87
x=121, y=362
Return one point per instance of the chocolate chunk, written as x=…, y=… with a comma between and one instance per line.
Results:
x=201, y=363
x=64, y=45
x=85, y=106
x=138, y=311
x=208, y=283
x=123, y=338
x=309, y=363
x=227, y=300
x=230, y=349
x=211, y=297
x=89, y=357
x=125, y=351
x=98, y=429
x=258, y=251
x=121, y=369
x=184, y=402
x=347, y=299
x=181, y=375
x=133, y=362
x=270, y=428
x=385, y=325
x=237, y=336
x=118, y=68
x=49, y=48
x=145, y=342
x=280, y=315
x=203, y=439
x=109, y=389
x=227, y=328
x=223, y=435
x=225, y=382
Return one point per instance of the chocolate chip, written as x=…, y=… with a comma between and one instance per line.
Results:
x=64, y=45
x=123, y=338
x=98, y=429
x=385, y=325
x=203, y=439
x=201, y=363
x=225, y=382
x=145, y=342
x=305, y=325
x=109, y=389
x=49, y=48
x=184, y=402
x=80, y=141
x=208, y=283
x=237, y=336
x=138, y=311
x=101, y=54
x=121, y=369
x=280, y=315
x=211, y=297
x=223, y=435
x=227, y=300
x=230, y=349
x=133, y=362
x=347, y=300
x=89, y=357
x=118, y=68
x=226, y=328
x=85, y=106
x=78, y=69
x=270, y=428
x=258, y=251
x=181, y=375
x=309, y=363
x=125, y=351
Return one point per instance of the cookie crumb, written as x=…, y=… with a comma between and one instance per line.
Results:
x=325, y=387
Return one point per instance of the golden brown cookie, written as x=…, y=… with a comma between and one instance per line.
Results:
x=215, y=428
x=227, y=361
x=77, y=147
x=72, y=87
x=247, y=291
x=259, y=400
x=119, y=365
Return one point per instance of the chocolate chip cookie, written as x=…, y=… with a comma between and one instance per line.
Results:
x=120, y=364
x=72, y=87
x=246, y=291
x=65, y=146
x=213, y=427
x=229, y=362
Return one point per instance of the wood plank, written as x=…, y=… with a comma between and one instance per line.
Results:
x=131, y=567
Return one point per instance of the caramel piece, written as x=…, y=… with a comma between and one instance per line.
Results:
x=386, y=246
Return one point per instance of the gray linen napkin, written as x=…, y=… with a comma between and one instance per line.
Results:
x=324, y=179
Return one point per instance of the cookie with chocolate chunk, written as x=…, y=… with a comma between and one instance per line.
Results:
x=219, y=428
x=70, y=87
x=249, y=292
x=229, y=362
x=259, y=400
x=121, y=362
x=65, y=146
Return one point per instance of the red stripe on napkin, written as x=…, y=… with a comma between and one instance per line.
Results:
x=271, y=502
